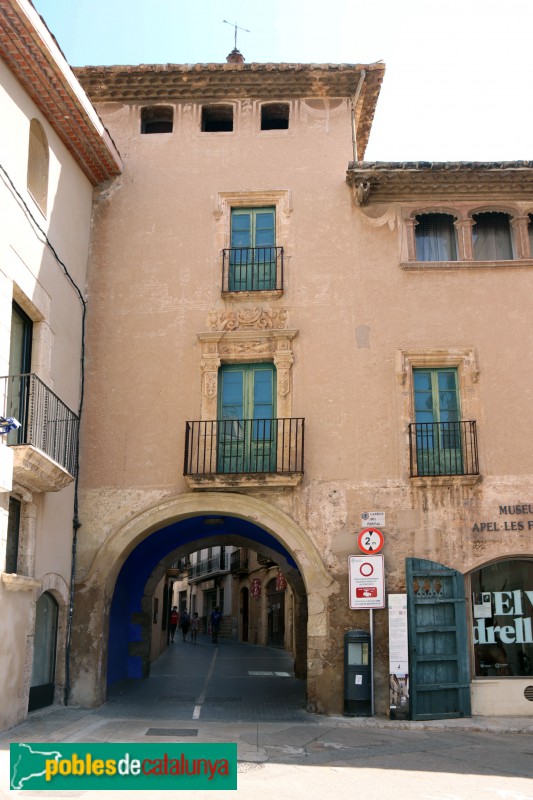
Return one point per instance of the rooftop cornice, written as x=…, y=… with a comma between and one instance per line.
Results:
x=33, y=56
x=382, y=181
x=167, y=83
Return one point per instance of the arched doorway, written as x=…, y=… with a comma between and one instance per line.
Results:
x=275, y=615
x=116, y=593
x=44, y=653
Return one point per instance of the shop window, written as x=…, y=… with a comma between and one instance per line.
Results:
x=502, y=611
x=491, y=236
x=217, y=118
x=274, y=116
x=157, y=119
x=435, y=238
x=38, y=165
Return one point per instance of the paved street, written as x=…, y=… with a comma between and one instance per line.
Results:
x=237, y=692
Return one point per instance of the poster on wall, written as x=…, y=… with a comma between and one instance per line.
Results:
x=398, y=657
x=255, y=587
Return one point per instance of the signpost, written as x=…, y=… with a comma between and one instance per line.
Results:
x=367, y=581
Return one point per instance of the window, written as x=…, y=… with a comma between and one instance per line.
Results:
x=530, y=234
x=13, y=533
x=438, y=429
x=435, y=238
x=491, y=236
x=502, y=605
x=19, y=369
x=274, y=116
x=157, y=119
x=253, y=255
x=38, y=160
x=246, y=428
x=217, y=118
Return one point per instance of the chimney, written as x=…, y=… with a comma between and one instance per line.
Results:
x=235, y=57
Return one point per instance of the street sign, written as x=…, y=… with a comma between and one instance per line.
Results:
x=374, y=518
x=367, y=582
x=370, y=540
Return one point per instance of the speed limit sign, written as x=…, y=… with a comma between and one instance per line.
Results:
x=370, y=540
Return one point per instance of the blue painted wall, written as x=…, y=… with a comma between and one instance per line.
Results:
x=138, y=567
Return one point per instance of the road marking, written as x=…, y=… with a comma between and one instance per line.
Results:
x=201, y=697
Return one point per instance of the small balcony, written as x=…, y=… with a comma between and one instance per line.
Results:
x=254, y=452
x=442, y=449
x=209, y=567
x=252, y=269
x=45, y=445
x=239, y=561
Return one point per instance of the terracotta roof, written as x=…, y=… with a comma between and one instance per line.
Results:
x=152, y=83
x=32, y=55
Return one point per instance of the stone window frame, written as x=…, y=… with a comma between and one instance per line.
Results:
x=156, y=113
x=462, y=359
x=464, y=222
x=281, y=200
x=246, y=346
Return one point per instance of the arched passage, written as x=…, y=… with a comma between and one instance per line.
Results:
x=134, y=557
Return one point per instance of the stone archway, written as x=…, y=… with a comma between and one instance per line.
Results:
x=95, y=590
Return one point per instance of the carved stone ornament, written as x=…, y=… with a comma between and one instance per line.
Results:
x=257, y=318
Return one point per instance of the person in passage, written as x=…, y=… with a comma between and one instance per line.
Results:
x=185, y=621
x=174, y=619
x=195, y=625
x=216, y=619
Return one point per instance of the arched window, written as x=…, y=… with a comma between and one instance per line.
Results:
x=38, y=161
x=157, y=119
x=217, y=118
x=435, y=238
x=491, y=236
x=274, y=116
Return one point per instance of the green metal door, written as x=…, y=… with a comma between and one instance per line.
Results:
x=247, y=428
x=439, y=675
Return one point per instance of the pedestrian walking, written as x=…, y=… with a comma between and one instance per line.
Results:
x=174, y=619
x=216, y=619
x=185, y=621
x=195, y=625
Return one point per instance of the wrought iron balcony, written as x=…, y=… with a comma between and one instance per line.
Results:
x=244, y=446
x=239, y=561
x=47, y=425
x=252, y=269
x=209, y=566
x=443, y=448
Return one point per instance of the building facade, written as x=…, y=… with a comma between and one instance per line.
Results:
x=321, y=342
x=283, y=343
x=54, y=150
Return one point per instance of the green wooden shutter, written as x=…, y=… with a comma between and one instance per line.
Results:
x=247, y=426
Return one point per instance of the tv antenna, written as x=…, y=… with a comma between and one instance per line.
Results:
x=237, y=28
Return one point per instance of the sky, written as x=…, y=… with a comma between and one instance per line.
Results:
x=458, y=72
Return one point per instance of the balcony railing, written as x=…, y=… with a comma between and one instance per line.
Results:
x=239, y=561
x=45, y=421
x=244, y=446
x=252, y=269
x=209, y=566
x=443, y=448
